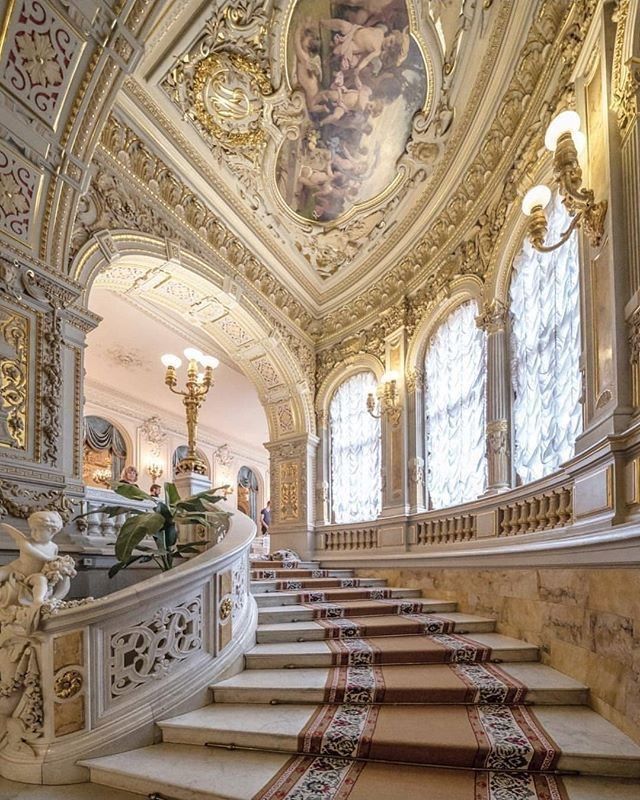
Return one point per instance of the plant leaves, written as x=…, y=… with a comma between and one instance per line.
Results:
x=132, y=492
x=134, y=531
x=171, y=493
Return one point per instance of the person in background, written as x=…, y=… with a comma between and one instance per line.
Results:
x=155, y=490
x=265, y=518
x=129, y=475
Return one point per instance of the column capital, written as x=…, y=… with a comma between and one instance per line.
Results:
x=493, y=317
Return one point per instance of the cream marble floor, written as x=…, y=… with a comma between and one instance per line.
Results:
x=78, y=791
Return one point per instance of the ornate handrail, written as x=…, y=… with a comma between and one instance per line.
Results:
x=96, y=675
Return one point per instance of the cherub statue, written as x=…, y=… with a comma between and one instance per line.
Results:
x=38, y=575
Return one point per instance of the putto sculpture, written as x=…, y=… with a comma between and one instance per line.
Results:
x=39, y=575
x=36, y=581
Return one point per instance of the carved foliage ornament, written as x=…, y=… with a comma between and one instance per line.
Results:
x=148, y=650
x=19, y=502
x=14, y=364
x=289, y=487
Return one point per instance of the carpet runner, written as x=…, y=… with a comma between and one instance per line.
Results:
x=435, y=649
x=324, y=778
x=469, y=736
x=321, y=583
x=274, y=574
x=416, y=683
x=405, y=625
x=362, y=608
x=345, y=593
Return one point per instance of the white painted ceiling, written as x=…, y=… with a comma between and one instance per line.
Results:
x=123, y=353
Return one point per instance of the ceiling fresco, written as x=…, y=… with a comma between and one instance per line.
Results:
x=363, y=78
x=325, y=133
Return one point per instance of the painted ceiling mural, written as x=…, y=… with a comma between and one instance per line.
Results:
x=319, y=130
x=363, y=78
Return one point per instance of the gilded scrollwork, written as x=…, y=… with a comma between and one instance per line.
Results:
x=289, y=490
x=18, y=501
x=14, y=383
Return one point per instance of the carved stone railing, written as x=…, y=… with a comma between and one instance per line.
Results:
x=350, y=537
x=546, y=505
x=541, y=512
x=97, y=531
x=96, y=675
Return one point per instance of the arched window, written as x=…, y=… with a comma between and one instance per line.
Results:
x=105, y=452
x=455, y=378
x=545, y=353
x=355, y=452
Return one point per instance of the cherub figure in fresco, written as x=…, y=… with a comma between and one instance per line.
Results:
x=340, y=100
x=308, y=61
x=357, y=46
x=38, y=574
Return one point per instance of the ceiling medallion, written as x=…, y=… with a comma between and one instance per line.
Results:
x=227, y=99
x=363, y=75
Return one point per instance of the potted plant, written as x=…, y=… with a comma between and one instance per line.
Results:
x=161, y=525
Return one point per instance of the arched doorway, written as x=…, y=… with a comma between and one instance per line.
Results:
x=247, y=497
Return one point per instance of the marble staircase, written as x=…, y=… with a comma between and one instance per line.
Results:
x=424, y=656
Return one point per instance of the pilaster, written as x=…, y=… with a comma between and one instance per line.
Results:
x=394, y=437
x=493, y=320
x=42, y=339
x=292, y=473
x=605, y=275
x=414, y=384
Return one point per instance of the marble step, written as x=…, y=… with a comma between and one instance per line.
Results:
x=293, y=574
x=331, y=595
x=587, y=742
x=188, y=772
x=291, y=655
x=544, y=685
x=311, y=584
x=314, y=631
x=266, y=564
x=299, y=613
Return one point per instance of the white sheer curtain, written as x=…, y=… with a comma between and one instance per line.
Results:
x=545, y=353
x=455, y=371
x=355, y=452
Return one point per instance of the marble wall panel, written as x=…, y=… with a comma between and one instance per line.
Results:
x=585, y=621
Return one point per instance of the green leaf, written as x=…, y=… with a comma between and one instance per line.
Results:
x=171, y=493
x=132, y=492
x=170, y=536
x=134, y=531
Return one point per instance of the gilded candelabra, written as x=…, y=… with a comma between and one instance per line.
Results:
x=564, y=139
x=387, y=400
x=193, y=396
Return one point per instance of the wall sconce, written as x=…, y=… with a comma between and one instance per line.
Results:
x=566, y=141
x=387, y=400
x=155, y=471
x=103, y=476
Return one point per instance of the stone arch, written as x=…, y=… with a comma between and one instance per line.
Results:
x=363, y=362
x=463, y=289
x=145, y=265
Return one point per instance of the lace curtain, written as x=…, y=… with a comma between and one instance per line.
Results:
x=355, y=452
x=545, y=353
x=455, y=372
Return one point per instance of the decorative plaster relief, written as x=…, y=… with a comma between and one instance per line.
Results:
x=18, y=184
x=14, y=381
x=151, y=648
x=289, y=488
x=42, y=54
x=267, y=372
